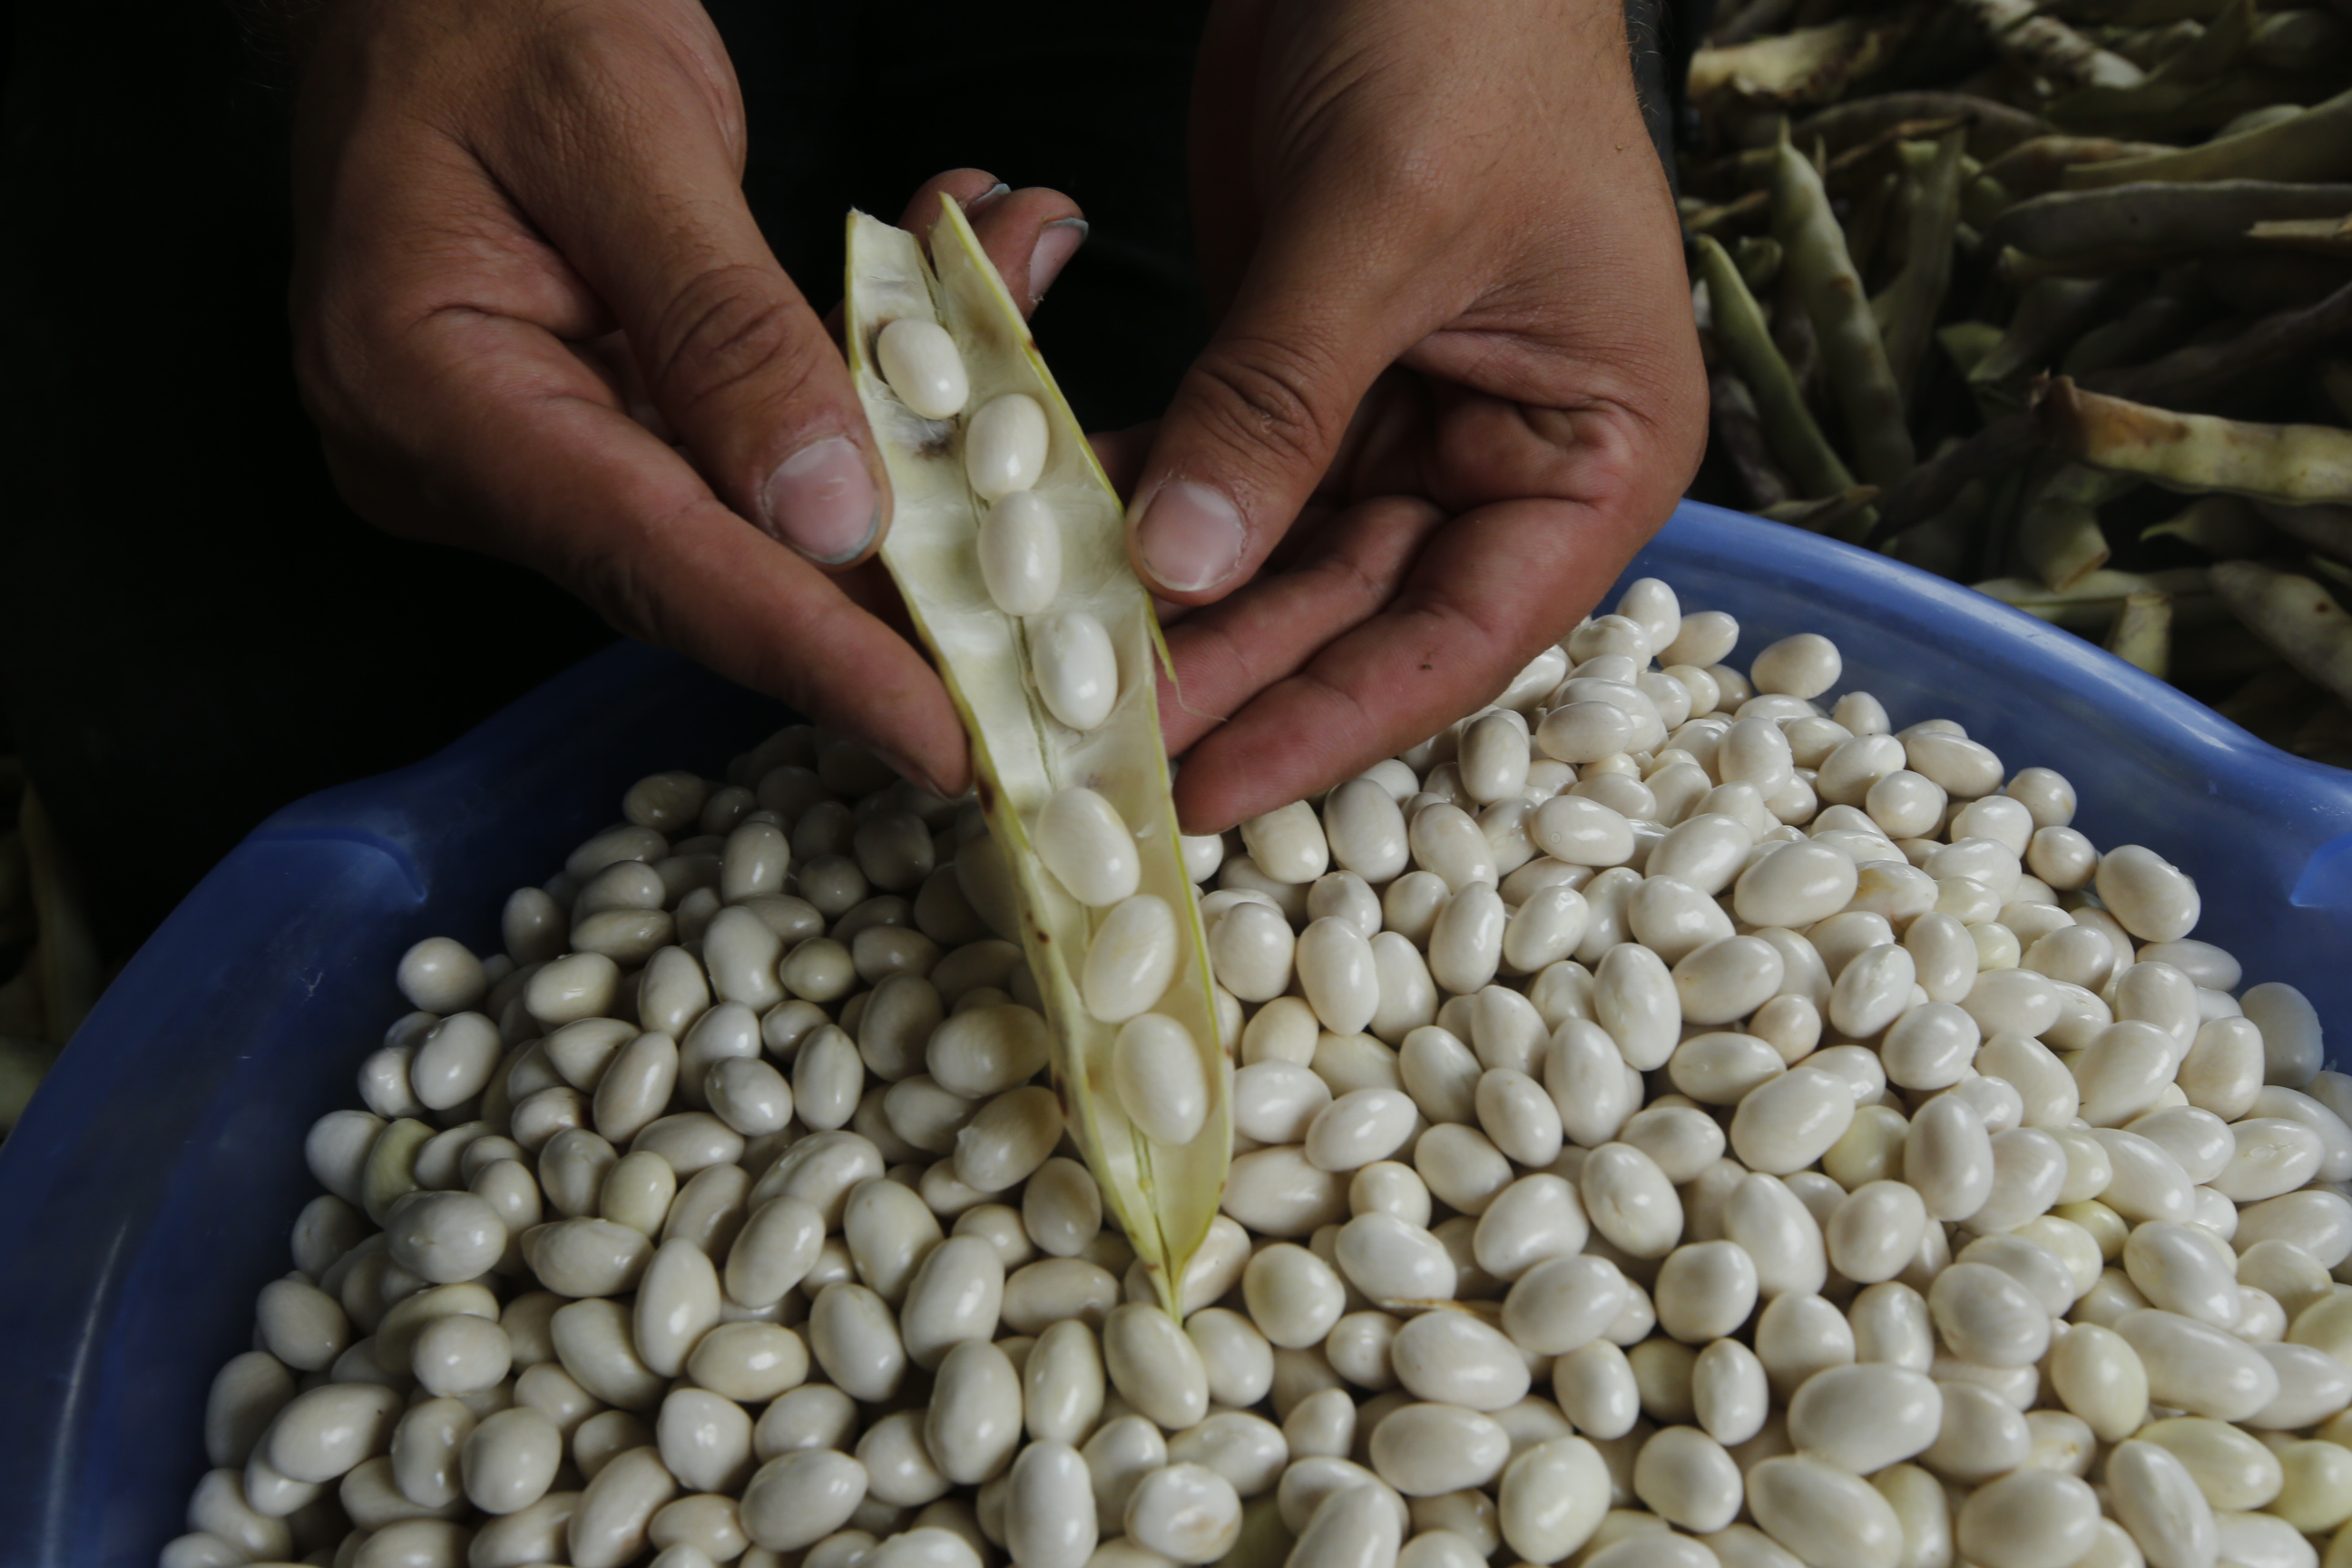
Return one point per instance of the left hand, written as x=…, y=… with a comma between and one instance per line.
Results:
x=1453, y=387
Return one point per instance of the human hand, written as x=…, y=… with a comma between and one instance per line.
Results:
x=1453, y=386
x=525, y=268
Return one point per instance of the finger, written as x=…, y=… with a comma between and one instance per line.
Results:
x=1226, y=653
x=1489, y=591
x=1029, y=235
x=537, y=458
x=630, y=167
x=1259, y=415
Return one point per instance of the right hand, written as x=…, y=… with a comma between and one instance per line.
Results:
x=533, y=317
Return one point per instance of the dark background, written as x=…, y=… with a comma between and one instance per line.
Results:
x=193, y=629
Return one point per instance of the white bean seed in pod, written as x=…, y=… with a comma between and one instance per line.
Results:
x=1087, y=845
x=1162, y=1082
x=919, y=361
x=1075, y=666
x=1131, y=959
x=1021, y=553
x=1005, y=444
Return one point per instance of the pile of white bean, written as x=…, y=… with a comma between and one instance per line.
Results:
x=1688, y=1128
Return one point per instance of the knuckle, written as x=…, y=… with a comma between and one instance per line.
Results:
x=1257, y=394
x=727, y=335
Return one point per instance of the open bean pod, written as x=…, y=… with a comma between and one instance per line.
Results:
x=1010, y=546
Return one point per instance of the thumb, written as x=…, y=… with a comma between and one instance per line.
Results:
x=739, y=365
x=1258, y=417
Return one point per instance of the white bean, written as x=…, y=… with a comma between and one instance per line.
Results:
x=1075, y=666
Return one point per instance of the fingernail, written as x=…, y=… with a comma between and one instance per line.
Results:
x=989, y=198
x=821, y=502
x=1191, y=537
x=906, y=769
x=1056, y=243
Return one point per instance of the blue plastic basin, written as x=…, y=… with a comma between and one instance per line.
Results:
x=147, y=1195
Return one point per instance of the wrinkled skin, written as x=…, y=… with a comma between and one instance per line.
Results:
x=1452, y=385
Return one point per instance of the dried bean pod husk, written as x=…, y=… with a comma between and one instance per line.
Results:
x=2051, y=314
x=2327, y=236
x=2325, y=529
x=2142, y=634
x=2273, y=703
x=2296, y=464
x=1808, y=65
x=1856, y=357
x=2225, y=527
x=1796, y=440
x=2058, y=534
x=64, y=959
x=2048, y=47
x=2314, y=145
x=1163, y=1195
x=2034, y=166
x=2293, y=40
x=2150, y=326
x=2295, y=615
x=2188, y=376
x=2335, y=379
x=1739, y=432
x=2142, y=224
x=1906, y=312
x=1828, y=514
x=2160, y=109
x=2325, y=736
x=2090, y=606
x=1994, y=127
